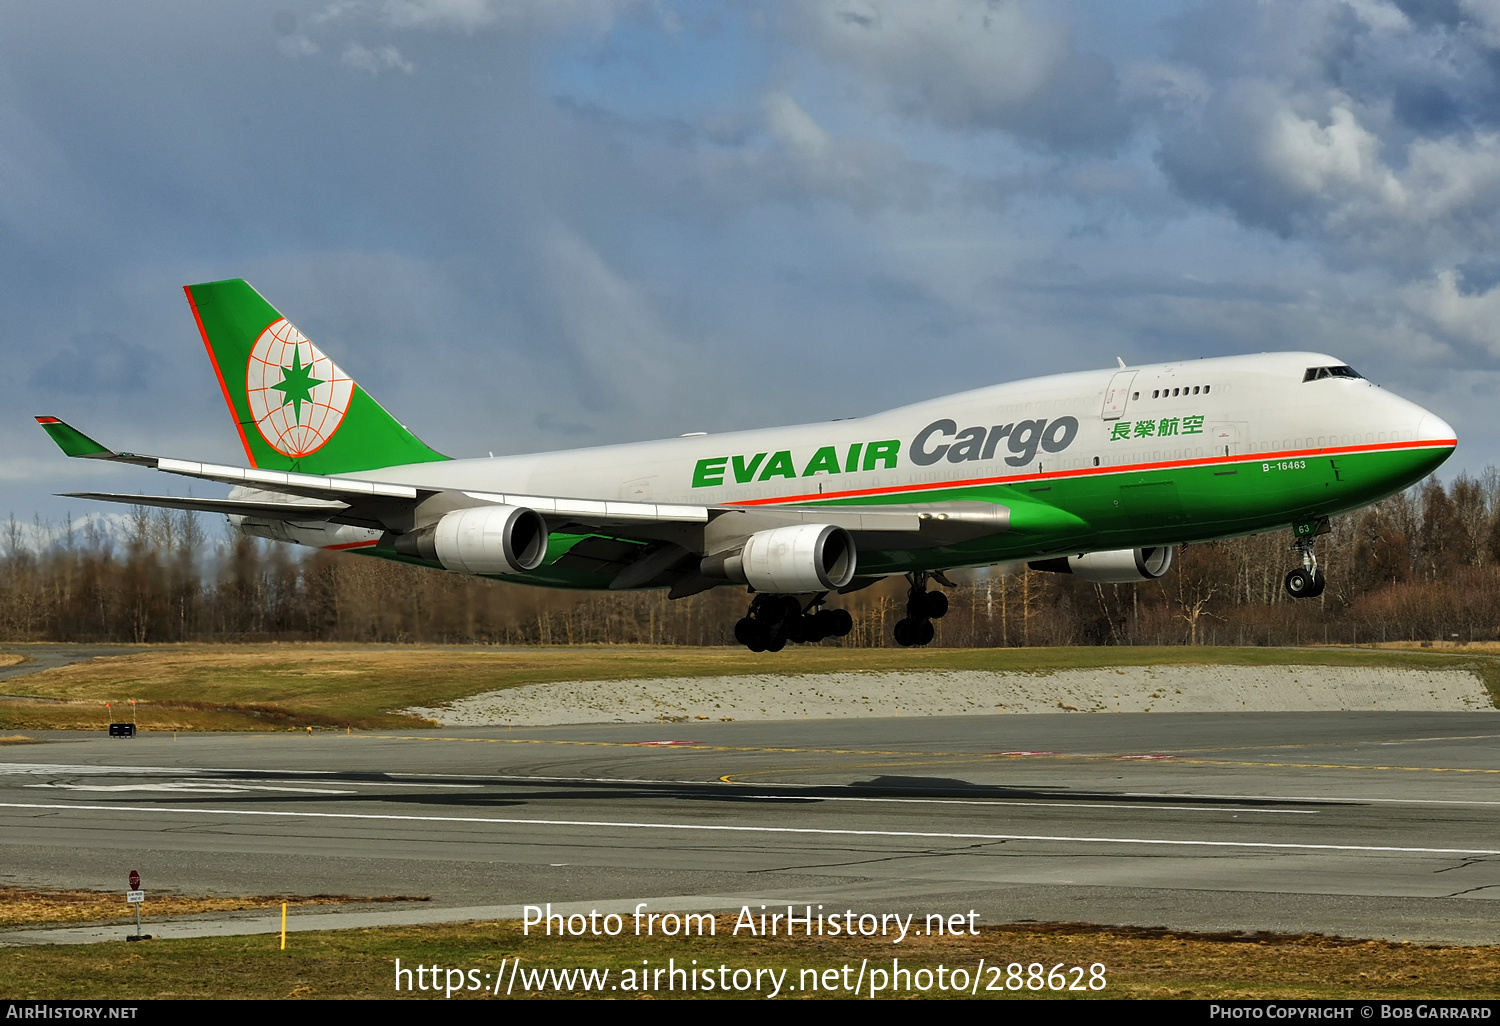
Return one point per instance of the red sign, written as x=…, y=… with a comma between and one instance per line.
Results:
x=135, y=880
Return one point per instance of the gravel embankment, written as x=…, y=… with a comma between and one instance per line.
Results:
x=973, y=692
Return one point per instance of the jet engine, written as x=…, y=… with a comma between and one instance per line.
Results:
x=482, y=540
x=1118, y=566
x=789, y=560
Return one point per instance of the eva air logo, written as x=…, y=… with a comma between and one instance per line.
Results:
x=298, y=397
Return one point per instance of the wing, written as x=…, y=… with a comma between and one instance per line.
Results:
x=631, y=544
x=378, y=505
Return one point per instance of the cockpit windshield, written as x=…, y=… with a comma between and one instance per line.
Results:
x=1314, y=373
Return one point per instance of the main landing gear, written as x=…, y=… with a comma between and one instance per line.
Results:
x=922, y=607
x=1307, y=581
x=773, y=620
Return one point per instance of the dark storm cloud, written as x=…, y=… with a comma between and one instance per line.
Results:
x=1351, y=126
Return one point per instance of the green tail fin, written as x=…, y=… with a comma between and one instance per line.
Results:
x=294, y=408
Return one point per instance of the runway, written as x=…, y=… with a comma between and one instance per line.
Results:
x=1380, y=825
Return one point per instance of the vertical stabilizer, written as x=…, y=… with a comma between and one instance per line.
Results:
x=294, y=408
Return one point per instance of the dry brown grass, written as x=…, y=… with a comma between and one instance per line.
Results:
x=1140, y=963
x=32, y=906
x=10, y=659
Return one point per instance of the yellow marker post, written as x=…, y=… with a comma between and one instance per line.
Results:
x=283, y=926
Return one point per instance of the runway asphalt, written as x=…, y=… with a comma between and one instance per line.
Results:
x=1374, y=825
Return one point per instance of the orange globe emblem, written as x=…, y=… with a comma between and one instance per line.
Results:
x=298, y=396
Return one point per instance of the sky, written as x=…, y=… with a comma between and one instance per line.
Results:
x=528, y=225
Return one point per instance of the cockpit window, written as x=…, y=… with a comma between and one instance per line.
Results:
x=1314, y=373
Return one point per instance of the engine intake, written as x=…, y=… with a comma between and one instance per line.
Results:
x=789, y=560
x=482, y=540
x=1117, y=566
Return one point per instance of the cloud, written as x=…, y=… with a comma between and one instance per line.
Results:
x=1370, y=131
x=621, y=356
x=98, y=364
x=374, y=61
x=296, y=45
x=473, y=15
x=972, y=65
x=462, y=14
x=1469, y=317
x=804, y=159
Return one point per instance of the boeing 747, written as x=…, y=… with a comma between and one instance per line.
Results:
x=1097, y=473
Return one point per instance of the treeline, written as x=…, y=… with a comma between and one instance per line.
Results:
x=1422, y=565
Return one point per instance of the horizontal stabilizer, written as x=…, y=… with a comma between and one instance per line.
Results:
x=232, y=507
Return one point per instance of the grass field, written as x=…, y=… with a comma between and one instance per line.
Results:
x=32, y=906
x=280, y=687
x=1138, y=963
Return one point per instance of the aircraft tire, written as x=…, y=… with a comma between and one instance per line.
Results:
x=935, y=605
x=1300, y=584
x=924, y=632
x=840, y=623
x=903, y=633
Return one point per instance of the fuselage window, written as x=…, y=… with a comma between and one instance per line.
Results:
x=1156, y=393
x=1206, y=388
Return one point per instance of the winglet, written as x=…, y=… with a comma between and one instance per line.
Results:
x=74, y=442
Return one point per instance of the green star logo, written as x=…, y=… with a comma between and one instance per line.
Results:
x=296, y=384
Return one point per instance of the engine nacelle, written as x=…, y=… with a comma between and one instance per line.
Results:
x=1118, y=566
x=790, y=560
x=482, y=540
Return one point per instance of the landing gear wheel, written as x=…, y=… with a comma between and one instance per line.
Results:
x=744, y=630
x=1301, y=584
x=1319, y=583
x=904, y=634
x=935, y=605
x=774, y=620
x=910, y=632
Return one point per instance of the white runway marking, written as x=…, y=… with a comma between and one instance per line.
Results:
x=810, y=831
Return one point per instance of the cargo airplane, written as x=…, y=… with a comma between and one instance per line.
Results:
x=1099, y=474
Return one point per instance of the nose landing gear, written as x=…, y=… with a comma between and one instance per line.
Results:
x=1306, y=581
x=922, y=607
x=773, y=620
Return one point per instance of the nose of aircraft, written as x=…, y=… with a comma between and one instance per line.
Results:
x=1433, y=428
